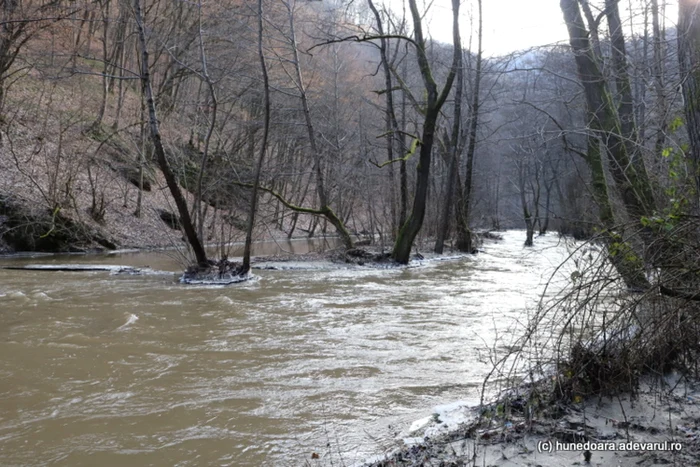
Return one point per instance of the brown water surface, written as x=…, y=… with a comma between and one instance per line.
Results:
x=108, y=370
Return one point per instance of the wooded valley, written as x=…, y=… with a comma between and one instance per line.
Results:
x=313, y=118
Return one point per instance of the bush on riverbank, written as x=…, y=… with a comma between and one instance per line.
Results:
x=596, y=337
x=595, y=362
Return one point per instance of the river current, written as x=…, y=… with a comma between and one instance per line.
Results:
x=112, y=370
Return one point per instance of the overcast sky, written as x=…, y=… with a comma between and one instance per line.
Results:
x=511, y=25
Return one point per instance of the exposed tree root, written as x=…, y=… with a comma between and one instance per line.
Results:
x=221, y=272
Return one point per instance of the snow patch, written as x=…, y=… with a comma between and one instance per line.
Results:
x=444, y=418
x=449, y=416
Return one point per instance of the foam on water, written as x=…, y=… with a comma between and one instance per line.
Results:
x=41, y=296
x=223, y=300
x=17, y=295
x=131, y=320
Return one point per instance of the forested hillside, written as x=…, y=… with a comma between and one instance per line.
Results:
x=336, y=119
x=202, y=124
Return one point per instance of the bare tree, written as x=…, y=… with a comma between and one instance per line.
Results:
x=299, y=83
x=435, y=100
x=455, y=146
x=19, y=22
x=464, y=200
x=263, y=145
x=185, y=219
x=689, y=57
x=613, y=135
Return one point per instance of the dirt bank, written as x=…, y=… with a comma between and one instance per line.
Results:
x=659, y=425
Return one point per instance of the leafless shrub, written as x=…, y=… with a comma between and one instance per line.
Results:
x=594, y=337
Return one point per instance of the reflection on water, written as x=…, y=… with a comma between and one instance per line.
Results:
x=108, y=370
x=174, y=259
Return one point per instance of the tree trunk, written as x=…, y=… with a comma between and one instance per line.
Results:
x=435, y=101
x=263, y=145
x=527, y=215
x=593, y=27
x=142, y=154
x=659, y=67
x=391, y=125
x=104, y=8
x=455, y=152
x=185, y=219
x=464, y=240
x=318, y=166
x=403, y=170
x=632, y=183
x=604, y=124
x=198, y=194
x=531, y=218
x=625, y=108
x=689, y=57
x=544, y=225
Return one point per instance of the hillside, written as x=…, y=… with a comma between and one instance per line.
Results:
x=74, y=144
x=66, y=185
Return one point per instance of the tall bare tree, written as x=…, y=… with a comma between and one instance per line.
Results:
x=608, y=133
x=435, y=100
x=263, y=145
x=318, y=163
x=689, y=57
x=464, y=198
x=178, y=197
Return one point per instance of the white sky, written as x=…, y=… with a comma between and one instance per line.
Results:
x=511, y=25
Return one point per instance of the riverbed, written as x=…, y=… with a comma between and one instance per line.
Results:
x=103, y=369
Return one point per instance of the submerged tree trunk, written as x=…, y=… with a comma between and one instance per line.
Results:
x=529, y=223
x=185, y=219
x=263, y=145
x=435, y=101
x=531, y=218
x=464, y=234
x=544, y=225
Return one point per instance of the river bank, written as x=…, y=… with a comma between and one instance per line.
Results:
x=658, y=425
x=617, y=385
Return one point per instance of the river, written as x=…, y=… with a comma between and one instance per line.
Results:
x=111, y=370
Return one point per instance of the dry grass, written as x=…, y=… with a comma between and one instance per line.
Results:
x=52, y=157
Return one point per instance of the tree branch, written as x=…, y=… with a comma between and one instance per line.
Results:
x=281, y=199
x=414, y=145
x=364, y=39
x=692, y=296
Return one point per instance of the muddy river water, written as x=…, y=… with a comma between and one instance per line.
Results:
x=110, y=370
